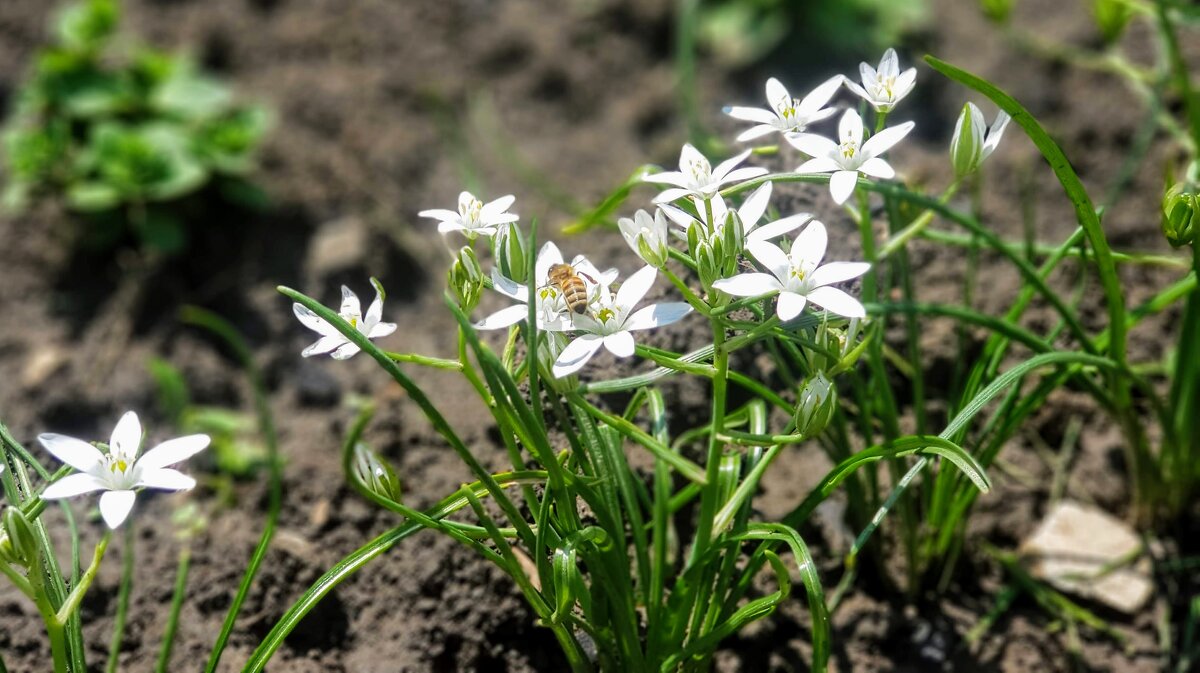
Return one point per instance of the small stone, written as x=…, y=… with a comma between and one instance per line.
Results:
x=41, y=365
x=1075, y=545
x=337, y=246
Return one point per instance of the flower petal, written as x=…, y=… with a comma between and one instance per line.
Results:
x=345, y=351
x=635, y=287
x=743, y=174
x=809, y=247
x=770, y=256
x=755, y=132
x=312, y=321
x=819, y=165
x=576, y=355
x=752, y=114
x=755, y=205
x=818, y=97
x=350, y=304
x=511, y=288
x=994, y=134
x=837, y=301
x=812, y=144
x=889, y=65
x=166, y=479
x=374, y=314
x=115, y=507
x=494, y=209
x=722, y=172
x=777, y=95
x=127, y=436
x=748, y=285
x=669, y=195
x=620, y=343
x=858, y=90
x=837, y=272
x=440, y=213
x=657, y=315
x=73, y=485
x=505, y=317
x=790, y=305
x=877, y=168
x=447, y=226
x=173, y=451
x=841, y=185
x=689, y=156
x=779, y=227
x=381, y=330
x=74, y=452
x=885, y=139
x=850, y=127
x=548, y=256
x=668, y=178
x=324, y=345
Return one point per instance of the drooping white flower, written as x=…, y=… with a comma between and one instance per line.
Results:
x=750, y=212
x=973, y=141
x=647, y=235
x=552, y=314
x=883, y=88
x=787, y=114
x=332, y=341
x=850, y=155
x=120, y=472
x=613, y=320
x=697, y=177
x=474, y=217
x=799, y=277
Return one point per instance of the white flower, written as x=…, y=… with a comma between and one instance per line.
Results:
x=332, y=341
x=885, y=87
x=969, y=146
x=799, y=277
x=750, y=212
x=552, y=314
x=647, y=235
x=697, y=177
x=787, y=114
x=120, y=472
x=474, y=217
x=613, y=321
x=851, y=156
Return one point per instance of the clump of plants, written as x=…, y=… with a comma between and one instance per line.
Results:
x=121, y=133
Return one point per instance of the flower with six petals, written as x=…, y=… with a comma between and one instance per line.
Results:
x=474, y=217
x=334, y=342
x=697, y=177
x=787, y=114
x=883, y=88
x=850, y=155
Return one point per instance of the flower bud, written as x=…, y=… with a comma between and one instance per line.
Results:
x=734, y=235
x=997, y=10
x=1111, y=17
x=18, y=545
x=509, y=249
x=693, y=239
x=973, y=141
x=550, y=346
x=466, y=279
x=815, y=405
x=1181, y=208
x=707, y=265
x=647, y=236
x=376, y=474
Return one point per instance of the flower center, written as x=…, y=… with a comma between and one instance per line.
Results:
x=470, y=210
x=604, y=315
x=848, y=148
x=700, y=170
x=885, y=87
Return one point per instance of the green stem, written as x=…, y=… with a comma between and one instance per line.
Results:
x=708, y=504
x=118, y=634
x=168, y=639
x=70, y=605
x=425, y=360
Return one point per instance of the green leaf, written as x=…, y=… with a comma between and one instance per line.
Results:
x=91, y=197
x=191, y=95
x=602, y=214
x=87, y=24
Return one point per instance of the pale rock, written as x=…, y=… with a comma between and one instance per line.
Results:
x=337, y=246
x=41, y=365
x=1072, y=547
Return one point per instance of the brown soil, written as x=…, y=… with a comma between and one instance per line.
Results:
x=385, y=108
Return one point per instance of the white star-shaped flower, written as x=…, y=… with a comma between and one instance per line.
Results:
x=120, y=472
x=332, y=341
x=697, y=177
x=474, y=217
x=613, y=320
x=787, y=114
x=552, y=314
x=799, y=277
x=850, y=156
x=883, y=88
x=750, y=212
x=646, y=234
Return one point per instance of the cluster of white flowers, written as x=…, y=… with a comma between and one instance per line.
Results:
x=583, y=309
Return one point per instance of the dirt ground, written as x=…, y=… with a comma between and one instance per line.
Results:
x=386, y=108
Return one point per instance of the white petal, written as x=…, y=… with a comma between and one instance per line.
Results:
x=505, y=317
x=115, y=507
x=837, y=272
x=73, y=485
x=312, y=321
x=836, y=301
x=755, y=205
x=636, y=287
x=867, y=73
x=620, y=344
x=752, y=114
x=755, y=132
x=889, y=65
x=878, y=168
x=381, y=330
x=779, y=227
x=657, y=315
x=324, y=345
x=722, y=172
x=350, y=304
x=809, y=247
x=677, y=215
x=904, y=83
x=493, y=209
x=861, y=92
x=743, y=174
x=777, y=94
x=790, y=305
x=841, y=185
x=812, y=144
x=576, y=355
x=819, y=165
x=548, y=256
x=688, y=156
x=441, y=214
x=749, y=284
x=74, y=452
x=995, y=133
x=669, y=195
x=885, y=139
x=345, y=351
x=818, y=97
x=770, y=256
x=668, y=178
x=850, y=127
x=447, y=226
x=173, y=451
x=374, y=314
x=127, y=436
x=511, y=288
x=166, y=479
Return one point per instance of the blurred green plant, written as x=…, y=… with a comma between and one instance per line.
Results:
x=118, y=129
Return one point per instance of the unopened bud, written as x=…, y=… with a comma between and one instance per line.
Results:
x=734, y=235
x=466, y=279
x=1181, y=207
x=646, y=234
x=815, y=405
x=18, y=545
x=973, y=141
x=997, y=10
x=1111, y=17
x=509, y=249
x=376, y=474
x=707, y=265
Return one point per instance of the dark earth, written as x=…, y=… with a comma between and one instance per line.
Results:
x=386, y=108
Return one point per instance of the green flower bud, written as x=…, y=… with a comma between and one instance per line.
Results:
x=734, y=235
x=1111, y=17
x=466, y=279
x=18, y=545
x=1180, y=209
x=967, y=143
x=707, y=265
x=997, y=10
x=815, y=406
x=376, y=474
x=693, y=239
x=509, y=249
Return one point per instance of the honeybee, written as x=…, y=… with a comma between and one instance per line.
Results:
x=570, y=284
